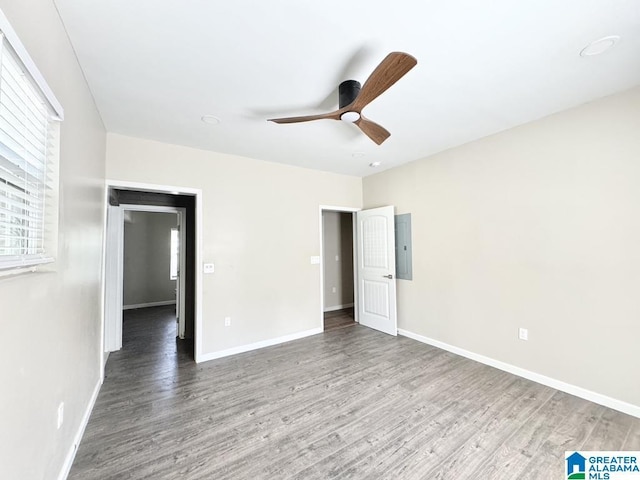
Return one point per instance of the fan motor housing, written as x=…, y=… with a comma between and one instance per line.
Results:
x=347, y=92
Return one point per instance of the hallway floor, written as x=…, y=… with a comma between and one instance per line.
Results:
x=339, y=319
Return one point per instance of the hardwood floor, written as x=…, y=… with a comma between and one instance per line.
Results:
x=348, y=403
x=339, y=319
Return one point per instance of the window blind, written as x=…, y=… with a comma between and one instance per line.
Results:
x=26, y=142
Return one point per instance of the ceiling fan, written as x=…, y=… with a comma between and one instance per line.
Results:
x=353, y=98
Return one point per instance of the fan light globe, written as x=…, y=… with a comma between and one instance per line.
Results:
x=350, y=117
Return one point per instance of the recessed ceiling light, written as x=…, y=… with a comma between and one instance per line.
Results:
x=358, y=154
x=375, y=164
x=210, y=119
x=600, y=46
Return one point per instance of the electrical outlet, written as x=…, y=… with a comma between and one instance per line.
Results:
x=333, y=289
x=60, y=414
x=523, y=334
x=227, y=321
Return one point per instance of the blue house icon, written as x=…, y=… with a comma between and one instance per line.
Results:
x=576, y=463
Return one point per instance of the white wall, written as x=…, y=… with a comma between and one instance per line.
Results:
x=260, y=226
x=51, y=321
x=535, y=227
x=147, y=254
x=337, y=253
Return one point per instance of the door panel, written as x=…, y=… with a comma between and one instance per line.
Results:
x=376, y=296
x=376, y=266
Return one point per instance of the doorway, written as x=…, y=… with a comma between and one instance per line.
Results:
x=337, y=261
x=131, y=210
x=373, y=266
x=154, y=260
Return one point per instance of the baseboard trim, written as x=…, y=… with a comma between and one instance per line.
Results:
x=71, y=455
x=150, y=304
x=255, y=346
x=595, y=397
x=338, y=307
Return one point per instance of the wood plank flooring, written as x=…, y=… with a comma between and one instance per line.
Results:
x=339, y=319
x=350, y=403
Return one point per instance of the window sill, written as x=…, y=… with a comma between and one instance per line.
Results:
x=23, y=266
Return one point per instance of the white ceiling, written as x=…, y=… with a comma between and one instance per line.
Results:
x=156, y=67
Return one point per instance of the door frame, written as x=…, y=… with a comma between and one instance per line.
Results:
x=352, y=210
x=111, y=297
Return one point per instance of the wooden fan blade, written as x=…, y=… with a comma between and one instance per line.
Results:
x=307, y=118
x=372, y=130
x=391, y=69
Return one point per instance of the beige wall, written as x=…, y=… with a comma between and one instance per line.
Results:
x=260, y=226
x=338, y=274
x=51, y=320
x=535, y=227
x=147, y=258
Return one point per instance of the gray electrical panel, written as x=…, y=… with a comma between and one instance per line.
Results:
x=404, y=270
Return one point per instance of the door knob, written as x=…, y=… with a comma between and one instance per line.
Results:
x=388, y=276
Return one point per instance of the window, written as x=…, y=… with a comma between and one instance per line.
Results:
x=29, y=147
x=175, y=257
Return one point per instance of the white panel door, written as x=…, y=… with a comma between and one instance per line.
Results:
x=376, y=268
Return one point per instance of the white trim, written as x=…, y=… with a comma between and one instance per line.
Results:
x=152, y=187
x=181, y=283
x=330, y=208
x=595, y=397
x=71, y=455
x=28, y=263
x=198, y=328
x=338, y=307
x=149, y=304
x=255, y=346
x=114, y=264
x=321, y=226
x=103, y=294
x=30, y=65
x=354, y=256
x=150, y=208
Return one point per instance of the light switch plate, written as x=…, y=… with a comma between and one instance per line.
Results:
x=208, y=268
x=523, y=334
x=315, y=260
